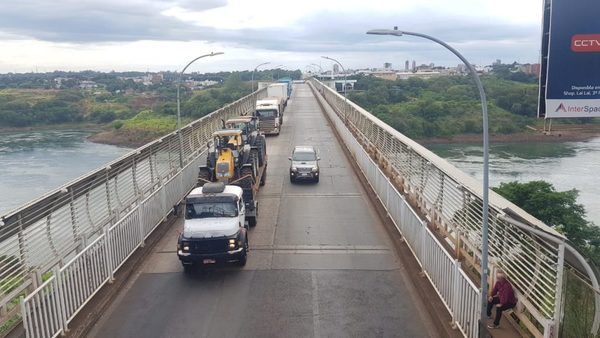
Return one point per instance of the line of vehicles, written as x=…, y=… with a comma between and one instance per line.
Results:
x=222, y=207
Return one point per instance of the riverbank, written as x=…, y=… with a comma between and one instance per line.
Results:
x=562, y=133
x=565, y=133
x=134, y=138
x=92, y=127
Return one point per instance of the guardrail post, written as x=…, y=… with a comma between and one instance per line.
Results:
x=61, y=299
x=456, y=296
x=140, y=217
x=421, y=249
x=24, y=315
x=108, y=250
x=553, y=325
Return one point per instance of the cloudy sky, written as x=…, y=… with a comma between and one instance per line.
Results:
x=104, y=35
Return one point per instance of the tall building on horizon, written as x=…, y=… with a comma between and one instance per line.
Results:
x=406, y=65
x=336, y=68
x=387, y=65
x=414, y=66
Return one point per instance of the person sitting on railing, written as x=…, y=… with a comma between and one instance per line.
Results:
x=502, y=296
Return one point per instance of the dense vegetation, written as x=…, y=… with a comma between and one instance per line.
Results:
x=558, y=209
x=448, y=105
x=34, y=99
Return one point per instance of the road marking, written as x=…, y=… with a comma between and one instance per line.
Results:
x=322, y=247
x=311, y=195
x=315, y=306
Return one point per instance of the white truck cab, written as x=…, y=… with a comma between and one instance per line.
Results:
x=214, y=229
x=269, y=112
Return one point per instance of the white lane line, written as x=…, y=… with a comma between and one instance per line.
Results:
x=315, y=306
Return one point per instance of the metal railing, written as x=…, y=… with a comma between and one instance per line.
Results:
x=69, y=243
x=402, y=172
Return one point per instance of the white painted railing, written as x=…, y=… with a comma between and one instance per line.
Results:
x=114, y=209
x=450, y=202
x=47, y=311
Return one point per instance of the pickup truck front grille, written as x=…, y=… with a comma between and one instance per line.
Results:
x=206, y=246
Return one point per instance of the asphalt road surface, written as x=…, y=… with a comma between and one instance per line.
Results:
x=321, y=263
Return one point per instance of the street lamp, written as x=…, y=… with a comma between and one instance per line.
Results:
x=179, y=105
x=484, y=231
x=255, y=68
x=320, y=68
x=274, y=71
x=311, y=69
x=345, y=100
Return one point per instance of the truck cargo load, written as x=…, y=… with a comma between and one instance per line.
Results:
x=279, y=90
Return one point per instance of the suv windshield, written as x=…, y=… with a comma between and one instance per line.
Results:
x=304, y=156
x=205, y=210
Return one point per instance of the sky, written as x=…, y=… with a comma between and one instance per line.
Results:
x=157, y=35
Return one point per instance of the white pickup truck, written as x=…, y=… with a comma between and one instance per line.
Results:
x=214, y=230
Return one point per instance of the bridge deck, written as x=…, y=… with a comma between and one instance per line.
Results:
x=321, y=263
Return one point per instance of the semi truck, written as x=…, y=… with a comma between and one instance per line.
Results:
x=269, y=112
x=288, y=81
x=279, y=90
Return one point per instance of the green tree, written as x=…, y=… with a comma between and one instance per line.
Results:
x=555, y=208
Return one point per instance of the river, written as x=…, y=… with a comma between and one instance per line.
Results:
x=567, y=165
x=34, y=162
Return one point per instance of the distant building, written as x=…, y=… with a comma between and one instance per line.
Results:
x=414, y=66
x=385, y=74
x=530, y=69
x=423, y=74
x=336, y=68
x=387, y=65
x=157, y=78
x=58, y=82
x=87, y=84
x=406, y=65
x=497, y=62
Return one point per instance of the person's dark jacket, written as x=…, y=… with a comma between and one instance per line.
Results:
x=505, y=292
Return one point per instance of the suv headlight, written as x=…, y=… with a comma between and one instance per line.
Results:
x=294, y=169
x=315, y=169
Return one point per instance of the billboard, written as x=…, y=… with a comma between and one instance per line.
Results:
x=570, y=59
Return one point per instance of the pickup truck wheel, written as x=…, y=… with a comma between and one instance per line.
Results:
x=244, y=256
x=188, y=268
x=252, y=221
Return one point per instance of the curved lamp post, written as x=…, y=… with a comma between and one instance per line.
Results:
x=484, y=231
x=255, y=68
x=320, y=68
x=275, y=71
x=179, y=105
x=344, y=70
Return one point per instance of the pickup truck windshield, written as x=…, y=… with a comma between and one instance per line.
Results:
x=212, y=209
x=266, y=113
x=304, y=156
